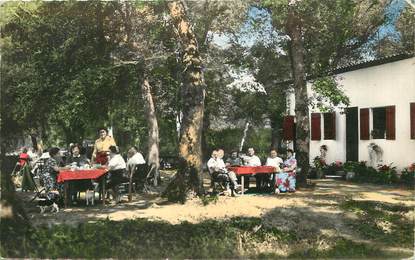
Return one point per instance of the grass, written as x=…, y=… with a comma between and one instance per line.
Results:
x=382, y=222
x=134, y=239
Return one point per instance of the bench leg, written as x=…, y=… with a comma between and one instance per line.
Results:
x=243, y=184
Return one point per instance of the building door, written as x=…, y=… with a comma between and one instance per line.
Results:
x=352, y=134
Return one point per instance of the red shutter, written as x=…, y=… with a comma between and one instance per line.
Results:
x=412, y=120
x=315, y=126
x=390, y=123
x=288, y=127
x=364, y=124
x=330, y=126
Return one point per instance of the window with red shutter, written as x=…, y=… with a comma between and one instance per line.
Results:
x=315, y=126
x=288, y=127
x=330, y=126
x=379, y=123
x=364, y=124
x=412, y=106
x=390, y=123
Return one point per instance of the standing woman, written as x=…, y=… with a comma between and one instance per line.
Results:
x=102, y=147
x=50, y=170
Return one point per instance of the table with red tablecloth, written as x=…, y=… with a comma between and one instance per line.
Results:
x=250, y=170
x=65, y=176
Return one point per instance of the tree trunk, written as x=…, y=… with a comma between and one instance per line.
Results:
x=189, y=175
x=153, y=131
x=297, y=51
x=276, y=136
x=12, y=210
x=206, y=126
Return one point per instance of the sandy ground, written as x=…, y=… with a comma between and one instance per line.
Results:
x=320, y=200
x=310, y=213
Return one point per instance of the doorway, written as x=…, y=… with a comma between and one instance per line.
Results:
x=352, y=134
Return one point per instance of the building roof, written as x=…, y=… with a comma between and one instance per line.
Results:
x=359, y=65
x=373, y=62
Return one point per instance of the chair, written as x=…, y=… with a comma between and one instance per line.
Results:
x=133, y=182
x=220, y=179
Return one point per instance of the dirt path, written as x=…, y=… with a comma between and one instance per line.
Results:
x=309, y=213
x=323, y=199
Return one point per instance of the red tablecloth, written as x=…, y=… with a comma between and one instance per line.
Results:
x=68, y=175
x=248, y=170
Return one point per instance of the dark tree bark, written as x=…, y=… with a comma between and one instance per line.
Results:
x=189, y=175
x=153, y=131
x=293, y=27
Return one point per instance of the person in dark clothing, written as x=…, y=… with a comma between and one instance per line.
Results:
x=77, y=157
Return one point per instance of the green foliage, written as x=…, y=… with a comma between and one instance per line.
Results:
x=328, y=95
x=229, y=139
x=382, y=222
x=408, y=175
x=133, y=239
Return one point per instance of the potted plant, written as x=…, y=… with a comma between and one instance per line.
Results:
x=408, y=175
x=350, y=169
x=319, y=165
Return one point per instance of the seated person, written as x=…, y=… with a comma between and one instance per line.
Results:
x=80, y=160
x=76, y=157
x=135, y=158
x=252, y=160
x=116, y=171
x=101, y=147
x=217, y=169
x=274, y=161
x=234, y=159
x=23, y=158
x=285, y=181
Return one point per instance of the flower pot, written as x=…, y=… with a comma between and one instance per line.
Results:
x=350, y=175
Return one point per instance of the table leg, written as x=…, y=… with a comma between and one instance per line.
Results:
x=243, y=184
x=65, y=188
x=103, y=190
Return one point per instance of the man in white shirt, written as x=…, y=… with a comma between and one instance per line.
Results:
x=251, y=159
x=134, y=158
x=274, y=161
x=217, y=169
x=116, y=168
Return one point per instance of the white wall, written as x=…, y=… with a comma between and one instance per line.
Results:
x=382, y=85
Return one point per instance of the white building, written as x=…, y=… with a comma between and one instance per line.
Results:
x=381, y=112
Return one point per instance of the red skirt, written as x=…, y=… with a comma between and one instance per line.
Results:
x=101, y=158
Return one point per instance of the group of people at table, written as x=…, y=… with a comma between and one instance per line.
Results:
x=282, y=178
x=106, y=154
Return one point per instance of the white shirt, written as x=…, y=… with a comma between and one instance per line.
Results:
x=216, y=165
x=252, y=160
x=134, y=160
x=116, y=163
x=275, y=162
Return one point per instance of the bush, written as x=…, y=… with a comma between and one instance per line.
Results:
x=408, y=175
x=384, y=174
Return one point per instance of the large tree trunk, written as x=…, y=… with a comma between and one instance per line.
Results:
x=11, y=208
x=302, y=148
x=189, y=175
x=153, y=132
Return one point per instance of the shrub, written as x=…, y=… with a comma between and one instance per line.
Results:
x=408, y=175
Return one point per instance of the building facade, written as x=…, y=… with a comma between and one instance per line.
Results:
x=379, y=124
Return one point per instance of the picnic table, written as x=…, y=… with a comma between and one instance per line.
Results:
x=250, y=170
x=67, y=175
